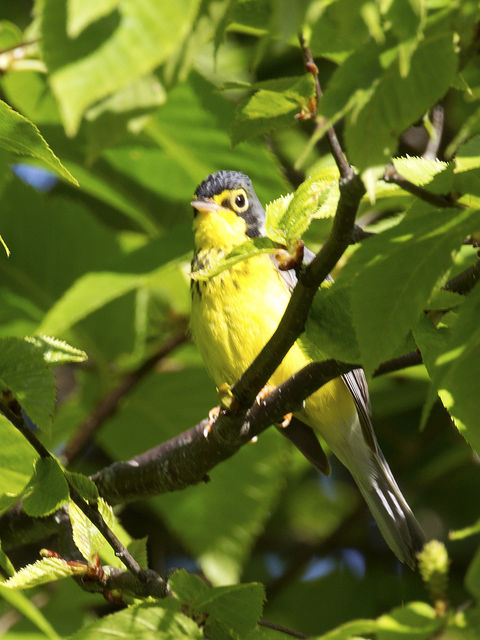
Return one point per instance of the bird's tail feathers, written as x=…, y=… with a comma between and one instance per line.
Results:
x=394, y=517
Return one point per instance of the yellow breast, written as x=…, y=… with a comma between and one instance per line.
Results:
x=233, y=316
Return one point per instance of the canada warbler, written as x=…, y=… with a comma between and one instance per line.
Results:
x=235, y=313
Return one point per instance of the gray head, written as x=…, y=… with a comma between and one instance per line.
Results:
x=233, y=190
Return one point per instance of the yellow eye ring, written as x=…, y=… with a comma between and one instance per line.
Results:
x=239, y=200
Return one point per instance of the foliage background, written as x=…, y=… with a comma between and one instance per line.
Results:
x=140, y=100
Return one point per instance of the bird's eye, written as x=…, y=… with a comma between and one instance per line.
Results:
x=239, y=201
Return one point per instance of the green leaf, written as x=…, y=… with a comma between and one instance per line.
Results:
x=81, y=13
x=88, y=539
x=329, y=331
x=350, y=629
x=7, y=250
x=413, y=620
x=372, y=131
x=57, y=351
x=466, y=532
x=138, y=549
x=124, y=45
x=231, y=611
x=472, y=577
x=143, y=622
x=339, y=28
x=455, y=370
x=316, y=197
x=419, y=170
x=87, y=294
x=41, y=572
x=5, y=565
x=24, y=372
x=20, y=136
x=48, y=489
x=396, y=273
x=17, y=458
x=81, y=483
x=28, y=609
x=272, y=106
x=249, y=249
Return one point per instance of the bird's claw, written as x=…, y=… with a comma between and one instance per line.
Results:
x=212, y=416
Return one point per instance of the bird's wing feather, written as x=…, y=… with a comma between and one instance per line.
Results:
x=355, y=379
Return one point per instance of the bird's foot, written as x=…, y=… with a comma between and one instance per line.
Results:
x=268, y=388
x=212, y=416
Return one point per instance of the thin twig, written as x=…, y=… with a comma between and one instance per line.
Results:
x=343, y=165
x=391, y=176
x=465, y=281
x=109, y=403
x=90, y=511
x=281, y=629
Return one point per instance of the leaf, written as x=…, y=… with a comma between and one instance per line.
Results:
x=246, y=250
x=415, y=619
x=83, y=485
x=57, y=351
x=231, y=611
x=143, y=622
x=396, y=102
x=81, y=13
x=20, y=136
x=408, y=260
x=313, y=199
x=419, y=170
x=24, y=372
x=41, y=572
x=7, y=250
x=329, y=331
x=138, y=549
x=28, y=609
x=48, y=489
x=117, y=49
x=455, y=370
x=350, y=629
x=87, y=294
x=273, y=106
x=466, y=532
x=5, y=565
x=88, y=539
x=17, y=458
x=472, y=577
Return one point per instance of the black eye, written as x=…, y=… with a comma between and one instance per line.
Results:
x=240, y=201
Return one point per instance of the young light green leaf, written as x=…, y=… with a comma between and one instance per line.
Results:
x=28, y=609
x=275, y=211
x=273, y=106
x=41, y=572
x=24, y=372
x=101, y=59
x=249, y=249
x=419, y=170
x=81, y=13
x=17, y=458
x=20, y=136
x=396, y=273
x=312, y=199
x=143, y=622
x=48, y=489
x=57, y=351
x=88, y=539
x=85, y=487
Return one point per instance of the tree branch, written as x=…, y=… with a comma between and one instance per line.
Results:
x=90, y=511
x=391, y=176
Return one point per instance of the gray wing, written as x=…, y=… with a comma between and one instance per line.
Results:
x=355, y=379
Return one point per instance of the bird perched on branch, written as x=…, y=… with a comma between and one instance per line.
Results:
x=235, y=313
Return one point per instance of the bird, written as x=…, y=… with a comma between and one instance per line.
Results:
x=233, y=315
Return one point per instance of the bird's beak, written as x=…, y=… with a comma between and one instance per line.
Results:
x=206, y=204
